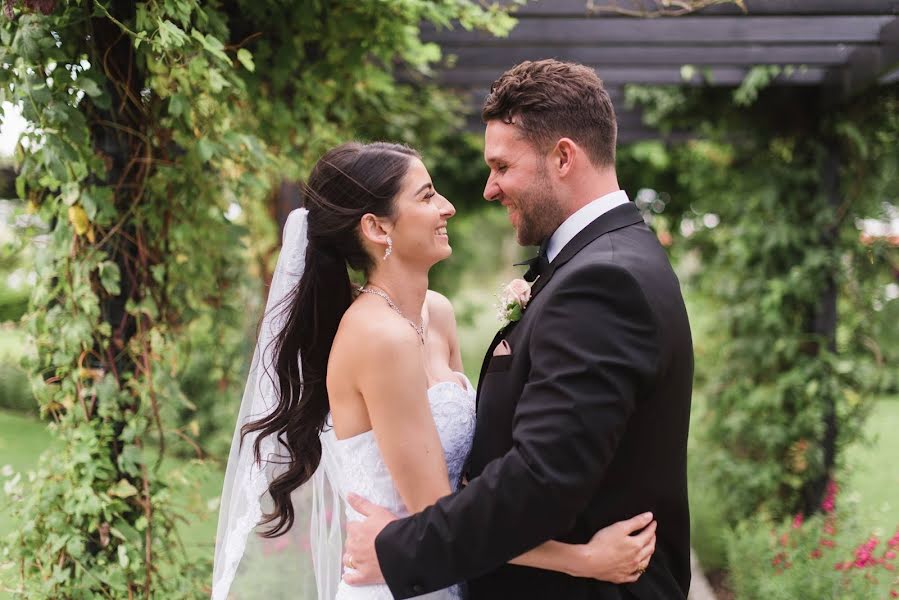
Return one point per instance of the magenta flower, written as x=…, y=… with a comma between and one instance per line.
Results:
x=829, y=504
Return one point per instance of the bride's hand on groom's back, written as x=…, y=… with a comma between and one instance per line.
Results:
x=615, y=554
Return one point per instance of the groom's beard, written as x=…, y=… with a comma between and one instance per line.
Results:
x=539, y=212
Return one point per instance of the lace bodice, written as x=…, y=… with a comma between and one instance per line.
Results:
x=364, y=472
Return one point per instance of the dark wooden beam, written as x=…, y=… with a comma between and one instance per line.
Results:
x=617, y=76
x=868, y=65
x=634, y=55
x=577, y=8
x=683, y=31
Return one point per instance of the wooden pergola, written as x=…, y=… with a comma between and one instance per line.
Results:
x=841, y=46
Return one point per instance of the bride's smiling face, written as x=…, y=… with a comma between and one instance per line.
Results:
x=419, y=227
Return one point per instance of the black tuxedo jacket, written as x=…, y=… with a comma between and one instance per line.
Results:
x=583, y=424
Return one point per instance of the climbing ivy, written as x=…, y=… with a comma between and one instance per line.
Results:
x=148, y=123
x=770, y=191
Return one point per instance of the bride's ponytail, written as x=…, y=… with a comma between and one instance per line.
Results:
x=346, y=183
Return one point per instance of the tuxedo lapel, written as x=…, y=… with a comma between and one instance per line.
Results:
x=620, y=216
x=487, y=356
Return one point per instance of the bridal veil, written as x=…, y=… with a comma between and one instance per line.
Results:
x=308, y=557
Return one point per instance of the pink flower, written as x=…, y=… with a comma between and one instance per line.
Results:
x=513, y=300
x=798, y=520
x=863, y=554
x=518, y=290
x=830, y=497
x=894, y=541
x=275, y=545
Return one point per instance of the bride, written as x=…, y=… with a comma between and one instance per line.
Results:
x=361, y=389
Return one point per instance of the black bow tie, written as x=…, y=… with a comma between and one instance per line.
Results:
x=537, y=265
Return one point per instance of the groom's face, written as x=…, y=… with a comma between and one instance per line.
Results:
x=520, y=181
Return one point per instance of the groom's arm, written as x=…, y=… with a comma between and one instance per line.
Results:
x=592, y=353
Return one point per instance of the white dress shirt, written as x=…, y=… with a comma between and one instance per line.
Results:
x=585, y=215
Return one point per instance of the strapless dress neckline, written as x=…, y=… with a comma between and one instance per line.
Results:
x=468, y=389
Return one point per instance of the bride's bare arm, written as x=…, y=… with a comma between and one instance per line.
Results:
x=392, y=380
x=614, y=554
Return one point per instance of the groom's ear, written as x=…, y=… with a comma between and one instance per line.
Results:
x=563, y=156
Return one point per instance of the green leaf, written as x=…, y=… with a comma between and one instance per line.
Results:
x=205, y=149
x=122, y=489
x=246, y=59
x=178, y=105
x=124, y=531
x=89, y=86
x=75, y=547
x=211, y=44
x=123, y=556
x=171, y=35
x=217, y=82
x=130, y=459
x=110, y=277
x=70, y=194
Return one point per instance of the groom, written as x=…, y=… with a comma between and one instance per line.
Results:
x=584, y=403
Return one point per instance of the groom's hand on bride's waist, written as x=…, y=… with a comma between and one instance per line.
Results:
x=360, y=559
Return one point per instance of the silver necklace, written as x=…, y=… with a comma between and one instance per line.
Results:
x=419, y=329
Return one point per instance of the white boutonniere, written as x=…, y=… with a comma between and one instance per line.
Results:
x=513, y=300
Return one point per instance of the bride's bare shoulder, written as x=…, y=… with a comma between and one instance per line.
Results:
x=369, y=329
x=441, y=313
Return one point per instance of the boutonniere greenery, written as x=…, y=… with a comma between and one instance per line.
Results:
x=513, y=300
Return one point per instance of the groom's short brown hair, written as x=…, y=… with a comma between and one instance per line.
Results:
x=549, y=99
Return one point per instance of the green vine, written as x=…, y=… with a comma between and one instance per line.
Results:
x=148, y=122
x=770, y=192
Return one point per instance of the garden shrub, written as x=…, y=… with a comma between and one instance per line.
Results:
x=828, y=556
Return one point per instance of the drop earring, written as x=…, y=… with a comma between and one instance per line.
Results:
x=389, y=248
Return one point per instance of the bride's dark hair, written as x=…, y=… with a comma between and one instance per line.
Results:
x=346, y=183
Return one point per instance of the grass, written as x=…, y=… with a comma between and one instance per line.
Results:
x=22, y=440
x=12, y=341
x=872, y=472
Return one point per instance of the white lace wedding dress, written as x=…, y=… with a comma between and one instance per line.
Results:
x=363, y=471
